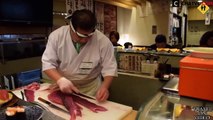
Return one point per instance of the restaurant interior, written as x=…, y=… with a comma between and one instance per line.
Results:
x=151, y=84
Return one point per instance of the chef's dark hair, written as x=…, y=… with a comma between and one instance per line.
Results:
x=160, y=38
x=83, y=19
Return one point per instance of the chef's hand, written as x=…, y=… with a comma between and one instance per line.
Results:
x=66, y=86
x=102, y=94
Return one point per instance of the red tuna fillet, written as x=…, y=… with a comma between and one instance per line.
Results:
x=66, y=100
x=29, y=95
x=55, y=97
x=92, y=106
x=29, y=91
x=4, y=95
x=71, y=106
x=33, y=86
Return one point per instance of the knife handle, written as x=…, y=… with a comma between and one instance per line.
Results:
x=22, y=95
x=43, y=100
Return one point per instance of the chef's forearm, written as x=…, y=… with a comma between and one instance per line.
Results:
x=53, y=74
x=107, y=81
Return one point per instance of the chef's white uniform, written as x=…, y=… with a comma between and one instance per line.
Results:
x=84, y=68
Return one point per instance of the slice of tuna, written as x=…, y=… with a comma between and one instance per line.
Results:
x=29, y=95
x=4, y=95
x=92, y=106
x=33, y=86
x=29, y=91
x=55, y=97
x=66, y=100
x=71, y=106
x=70, y=103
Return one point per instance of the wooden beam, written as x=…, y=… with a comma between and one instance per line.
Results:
x=129, y=4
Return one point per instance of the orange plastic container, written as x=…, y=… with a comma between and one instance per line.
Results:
x=196, y=78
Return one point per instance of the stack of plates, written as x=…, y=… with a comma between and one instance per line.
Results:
x=201, y=52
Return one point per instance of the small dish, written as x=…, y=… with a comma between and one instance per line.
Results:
x=5, y=101
x=33, y=112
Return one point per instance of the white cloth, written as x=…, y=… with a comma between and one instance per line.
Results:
x=61, y=54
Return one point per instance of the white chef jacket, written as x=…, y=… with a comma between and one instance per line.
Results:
x=84, y=68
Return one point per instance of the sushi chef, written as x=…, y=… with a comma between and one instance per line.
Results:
x=76, y=56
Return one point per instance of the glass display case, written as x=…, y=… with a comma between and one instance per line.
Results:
x=168, y=105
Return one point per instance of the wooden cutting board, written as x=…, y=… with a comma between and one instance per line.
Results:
x=115, y=111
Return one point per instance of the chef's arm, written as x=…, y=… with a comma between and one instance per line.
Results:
x=53, y=74
x=103, y=92
x=107, y=81
x=64, y=84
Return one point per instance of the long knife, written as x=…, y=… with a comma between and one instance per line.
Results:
x=83, y=95
x=52, y=105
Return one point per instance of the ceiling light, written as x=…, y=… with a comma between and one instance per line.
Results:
x=199, y=1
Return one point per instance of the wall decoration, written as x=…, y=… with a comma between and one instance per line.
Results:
x=107, y=17
x=207, y=18
x=72, y=5
x=99, y=11
x=154, y=29
x=110, y=18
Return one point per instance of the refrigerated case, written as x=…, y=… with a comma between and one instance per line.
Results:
x=168, y=105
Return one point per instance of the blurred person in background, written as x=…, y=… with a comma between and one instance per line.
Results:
x=207, y=39
x=160, y=42
x=114, y=37
x=128, y=45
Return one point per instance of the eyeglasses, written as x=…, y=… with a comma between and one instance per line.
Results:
x=79, y=34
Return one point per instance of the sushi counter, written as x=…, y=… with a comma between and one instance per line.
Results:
x=165, y=103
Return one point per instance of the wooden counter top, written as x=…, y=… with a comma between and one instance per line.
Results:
x=131, y=116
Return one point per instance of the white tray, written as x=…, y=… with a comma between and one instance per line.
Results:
x=201, y=52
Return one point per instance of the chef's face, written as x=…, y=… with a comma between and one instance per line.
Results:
x=113, y=39
x=82, y=36
x=161, y=45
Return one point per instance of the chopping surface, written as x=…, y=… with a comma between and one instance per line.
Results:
x=115, y=111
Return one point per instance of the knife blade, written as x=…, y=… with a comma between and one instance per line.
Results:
x=52, y=105
x=83, y=95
